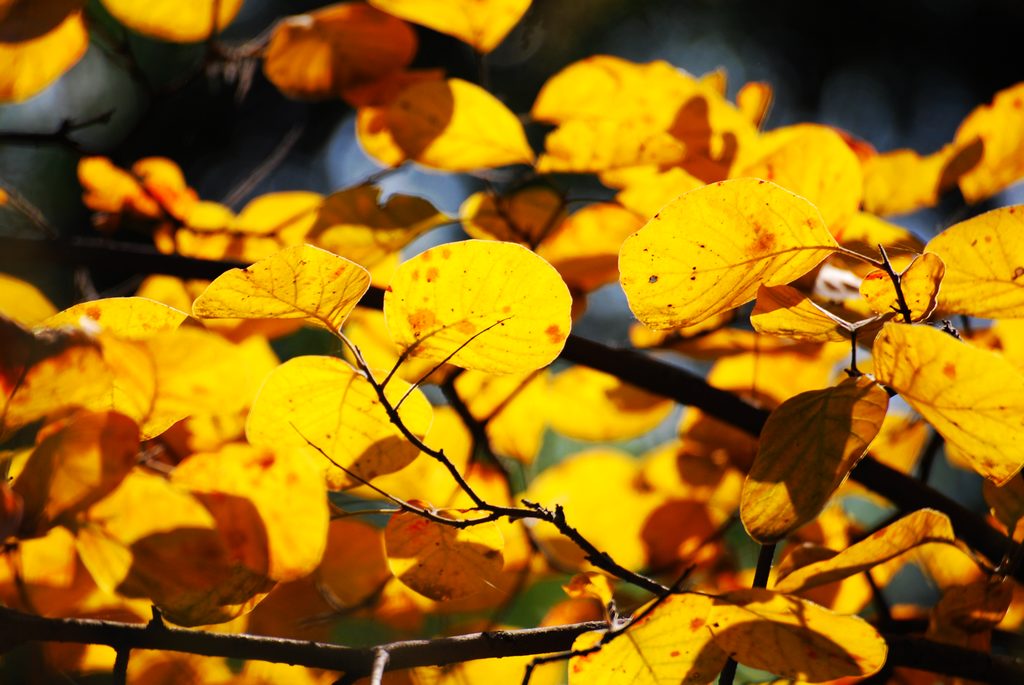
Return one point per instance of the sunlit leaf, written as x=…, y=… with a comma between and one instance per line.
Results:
x=673, y=644
x=646, y=194
x=984, y=259
x=525, y=216
x=590, y=584
x=755, y=99
x=373, y=100
x=808, y=447
x=22, y=302
x=1000, y=126
x=479, y=304
x=919, y=527
x=514, y=407
x=355, y=224
x=584, y=248
x=129, y=318
x=168, y=20
x=586, y=147
x=902, y=181
x=710, y=249
x=321, y=54
x=39, y=41
x=794, y=638
x=974, y=398
x=301, y=282
x=76, y=462
x=785, y=311
x=271, y=505
x=590, y=405
x=1006, y=502
x=481, y=23
x=919, y=284
x=354, y=565
x=440, y=561
x=333, y=406
x=455, y=125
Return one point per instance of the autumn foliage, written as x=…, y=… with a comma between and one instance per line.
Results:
x=176, y=471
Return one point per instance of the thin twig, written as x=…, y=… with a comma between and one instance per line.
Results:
x=764, y=568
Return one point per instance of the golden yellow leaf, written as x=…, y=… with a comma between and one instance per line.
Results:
x=154, y=188
x=590, y=405
x=270, y=505
x=509, y=669
x=919, y=527
x=22, y=302
x=301, y=282
x=323, y=53
x=39, y=41
x=710, y=249
x=440, y=561
x=526, y=216
x=168, y=20
x=454, y=125
x=480, y=23
x=785, y=311
x=902, y=181
x=150, y=538
x=974, y=398
x=514, y=407
x=129, y=318
x=793, y=637
x=671, y=645
x=919, y=284
x=354, y=565
x=587, y=147
x=809, y=445
x=1000, y=127
x=647, y=194
x=355, y=224
x=584, y=248
x=372, y=130
x=864, y=232
x=900, y=441
x=984, y=259
x=755, y=99
x=333, y=406
x=76, y=462
x=583, y=484
x=366, y=329
x=817, y=164
x=480, y=304
x=590, y=584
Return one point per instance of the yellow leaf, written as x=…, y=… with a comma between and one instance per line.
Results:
x=333, y=406
x=129, y=318
x=974, y=398
x=321, y=54
x=754, y=99
x=454, y=125
x=984, y=259
x=513, y=407
x=372, y=130
x=440, y=561
x=817, y=164
x=480, y=23
x=673, y=644
x=271, y=506
x=479, y=304
x=902, y=181
x=590, y=584
x=76, y=462
x=864, y=232
x=794, y=638
x=150, y=538
x=354, y=224
x=924, y=525
x=39, y=41
x=709, y=250
x=354, y=565
x=301, y=282
x=1000, y=126
x=590, y=405
x=586, y=147
x=647, y=194
x=22, y=302
x=919, y=284
x=785, y=311
x=366, y=329
x=584, y=248
x=168, y=20
x=808, y=447
x=525, y=216
x=583, y=484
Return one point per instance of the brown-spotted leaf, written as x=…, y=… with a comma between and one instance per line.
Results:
x=479, y=304
x=919, y=284
x=793, y=637
x=917, y=528
x=129, y=318
x=808, y=447
x=974, y=398
x=525, y=216
x=301, y=282
x=440, y=561
x=984, y=258
x=709, y=251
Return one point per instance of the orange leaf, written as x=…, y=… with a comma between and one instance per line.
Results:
x=39, y=41
x=481, y=23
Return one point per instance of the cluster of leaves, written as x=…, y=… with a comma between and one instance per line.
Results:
x=156, y=451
